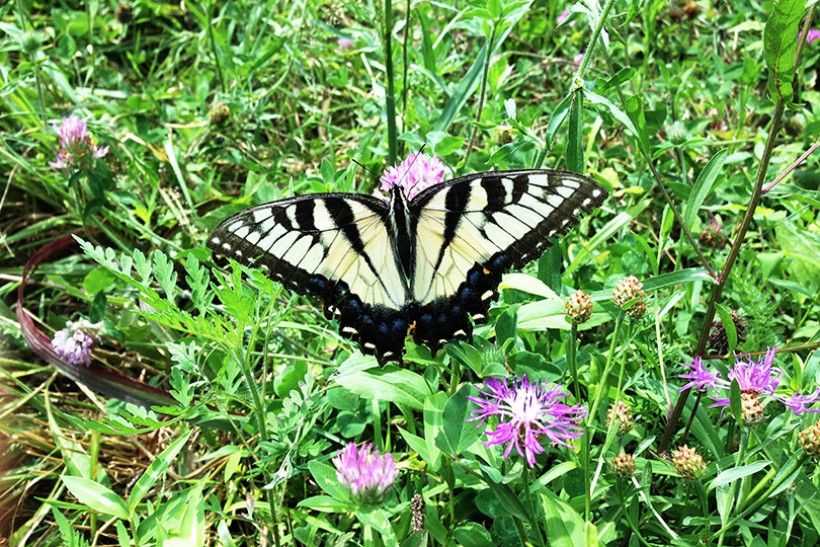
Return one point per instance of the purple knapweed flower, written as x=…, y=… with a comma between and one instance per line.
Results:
x=813, y=35
x=74, y=343
x=76, y=147
x=699, y=376
x=799, y=403
x=562, y=17
x=526, y=412
x=757, y=381
x=367, y=473
x=416, y=173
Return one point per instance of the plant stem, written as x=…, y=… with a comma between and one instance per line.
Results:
x=483, y=93
x=734, y=251
x=212, y=40
x=596, y=32
x=390, y=96
x=588, y=429
x=573, y=367
x=404, y=65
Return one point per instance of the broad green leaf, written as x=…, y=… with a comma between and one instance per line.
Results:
x=96, y=496
x=706, y=179
x=378, y=521
x=458, y=432
x=472, y=534
x=360, y=375
x=780, y=45
x=575, y=144
x=731, y=475
x=634, y=110
x=509, y=500
x=325, y=477
x=433, y=418
x=565, y=527
x=156, y=470
x=616, y=112
x=191, y=530
x=559, y=114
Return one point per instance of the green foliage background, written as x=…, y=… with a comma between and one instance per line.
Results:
x=682, y=110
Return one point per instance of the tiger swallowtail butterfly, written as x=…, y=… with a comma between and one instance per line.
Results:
x=428, y=267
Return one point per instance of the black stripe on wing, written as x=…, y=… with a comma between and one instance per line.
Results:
x=518, y=214
x=290, y=239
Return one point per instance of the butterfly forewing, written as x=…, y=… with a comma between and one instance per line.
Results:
x=335, y=246
x=472, y=229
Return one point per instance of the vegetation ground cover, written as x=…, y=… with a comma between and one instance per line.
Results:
x=678, y=387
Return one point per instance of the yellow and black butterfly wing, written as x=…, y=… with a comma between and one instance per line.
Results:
x=472, y=229
x=336, y=247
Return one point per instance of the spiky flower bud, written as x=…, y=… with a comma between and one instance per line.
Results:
x=219, y=113
x=688, y=463
x=712, y=235
x=620, y=412
x=624, y=465
x=629, y=296
x=503, y=135
x=676, y=133
x=417, y=507
x=333, y=13
x=578, y=307
x=719, y=341
x=810, y=439
x=751, y=407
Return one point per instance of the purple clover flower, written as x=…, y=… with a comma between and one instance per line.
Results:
x=76, y=147
x=74, y=343
x=413, y=175
x=367, y=473
x=562, y=17
x=813, y=35
x=345, y=43
x=526, y=412
x=576, y=62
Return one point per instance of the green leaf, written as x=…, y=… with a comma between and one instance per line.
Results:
x=728, y=325
x=465, y=88
x=505, y=326
x=565, y=527
x=472, y=534
x=325, y=477
x=616, y=112
x=736, y=473
x=360, y=375
x=634, y=110
x=780, y=45
x=706, y=179
x=378, y=521
x=575, y=144
x=156, y=470
x=735, y=403
x=458, y=432
x=96, y=496
x=559, y=114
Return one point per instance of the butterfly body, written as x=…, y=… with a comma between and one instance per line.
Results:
x=428, y=267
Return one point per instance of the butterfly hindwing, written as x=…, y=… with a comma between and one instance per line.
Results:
x=472, y=229
x=334, y=246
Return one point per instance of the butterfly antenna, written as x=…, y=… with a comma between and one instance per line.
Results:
x=363, y=166
x=415, y=157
